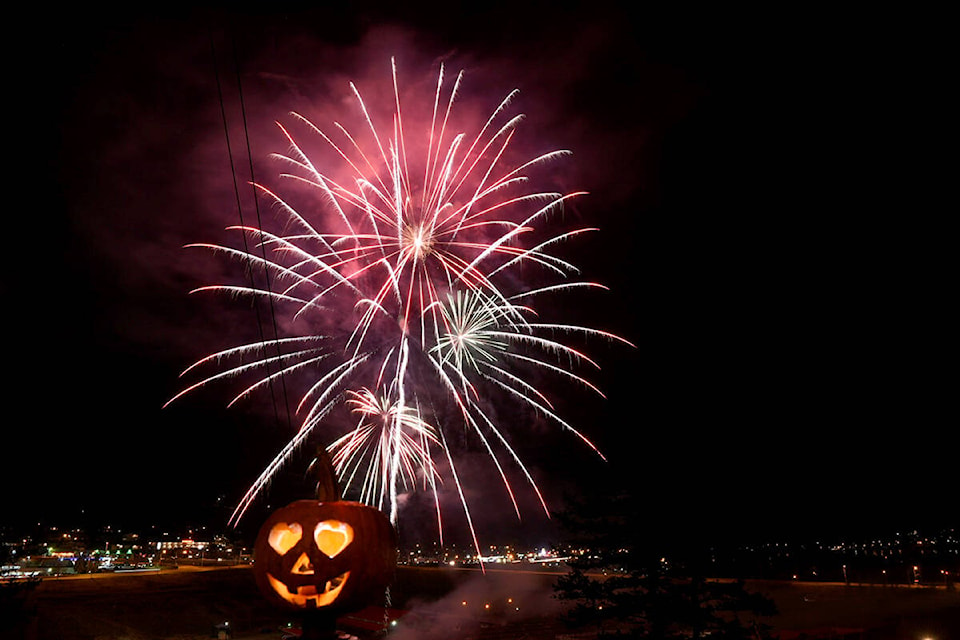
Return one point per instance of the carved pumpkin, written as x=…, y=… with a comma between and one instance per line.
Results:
x=318, y=554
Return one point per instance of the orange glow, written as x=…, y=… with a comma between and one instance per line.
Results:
x=333, y=536
x=284, y=536
x=309, y=593
x=303, y=567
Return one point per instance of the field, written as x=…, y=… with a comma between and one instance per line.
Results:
x=441, y=603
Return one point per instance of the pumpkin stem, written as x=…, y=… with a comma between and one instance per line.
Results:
x=328, y=489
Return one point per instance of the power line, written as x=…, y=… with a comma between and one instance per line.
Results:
x=246, y=247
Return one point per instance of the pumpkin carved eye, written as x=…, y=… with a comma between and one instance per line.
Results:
x=284, y=536
x=332, y=537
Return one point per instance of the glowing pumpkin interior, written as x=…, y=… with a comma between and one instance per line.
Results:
x=331, y=538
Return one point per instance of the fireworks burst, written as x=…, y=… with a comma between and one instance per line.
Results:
x=409, y=284
x=386, y=432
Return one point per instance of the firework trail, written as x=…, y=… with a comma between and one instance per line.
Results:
x=406, y=296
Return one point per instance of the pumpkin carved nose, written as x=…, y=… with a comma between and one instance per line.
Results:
x=303, y=566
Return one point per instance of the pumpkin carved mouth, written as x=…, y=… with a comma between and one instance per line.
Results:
x=308, y=594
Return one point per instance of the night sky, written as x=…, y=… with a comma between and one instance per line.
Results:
x=761, y=183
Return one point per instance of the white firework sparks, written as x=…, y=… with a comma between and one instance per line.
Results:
x=422, y=258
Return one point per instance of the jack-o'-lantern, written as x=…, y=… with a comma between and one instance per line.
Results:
x=316, y=554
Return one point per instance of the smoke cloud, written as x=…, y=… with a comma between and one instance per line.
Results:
x=495, y=599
